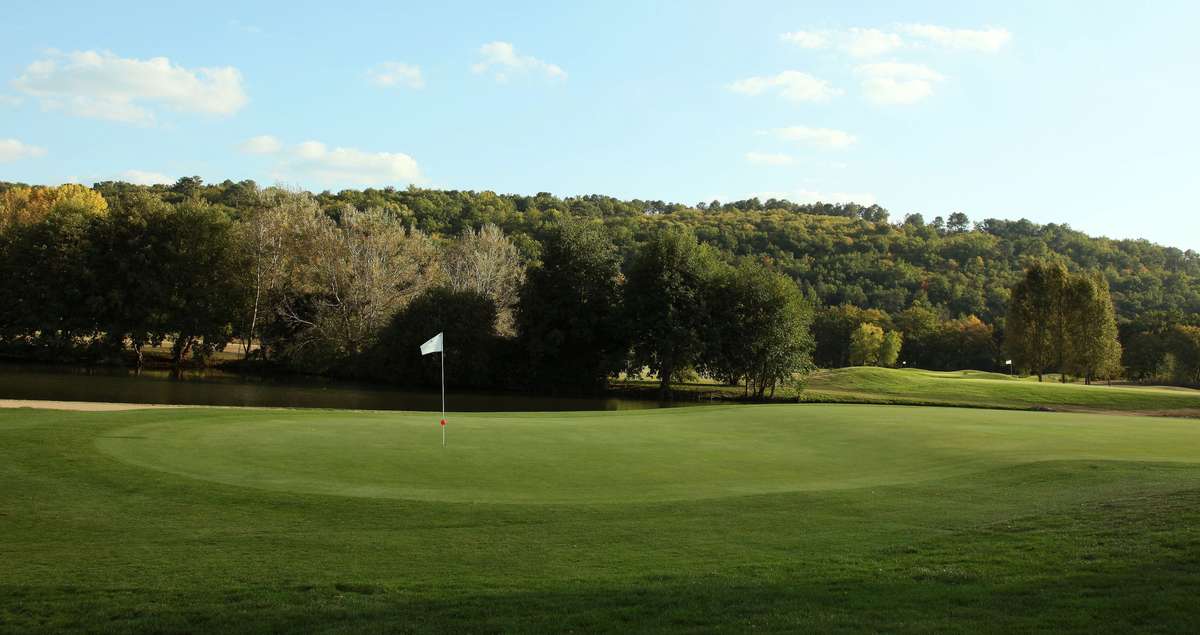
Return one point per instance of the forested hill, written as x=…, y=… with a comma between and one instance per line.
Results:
x=843, y=253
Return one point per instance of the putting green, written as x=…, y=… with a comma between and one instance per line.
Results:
x=661, y=455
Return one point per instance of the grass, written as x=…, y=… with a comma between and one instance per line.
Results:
x=968, y=388
x=832, y=518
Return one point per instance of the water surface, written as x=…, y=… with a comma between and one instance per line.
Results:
x=219, y=388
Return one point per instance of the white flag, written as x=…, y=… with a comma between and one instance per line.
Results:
x=434, y=345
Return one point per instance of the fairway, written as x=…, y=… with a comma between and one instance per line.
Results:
x=772, y=518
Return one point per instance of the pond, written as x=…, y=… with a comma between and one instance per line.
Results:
x=219, y=388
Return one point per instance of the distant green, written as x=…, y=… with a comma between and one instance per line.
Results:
x=804, y=517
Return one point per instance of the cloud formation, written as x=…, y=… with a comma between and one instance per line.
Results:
x=103, y=86
x=12, y=150
x=768, y=158
x=390, y=74
x=791, y=85
x=989, y=40
x=871, y=42
x=502, y=61
x=143, y=177
x=262, y=144
x=817, y=137
x=897, y=82
x=315, y=162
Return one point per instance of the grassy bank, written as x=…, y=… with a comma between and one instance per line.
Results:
x=976, y=389
x=768, y=518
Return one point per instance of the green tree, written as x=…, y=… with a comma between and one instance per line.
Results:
x=569, y=319
x=889, y=349
x=468, y=320
x=1035, y=336
x=865, y=344
x=1093, y=350
x=665, y=299
x=760, y=328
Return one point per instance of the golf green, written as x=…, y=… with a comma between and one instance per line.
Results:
x=679, y=454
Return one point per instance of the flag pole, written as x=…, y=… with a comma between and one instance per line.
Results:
x=443, y=395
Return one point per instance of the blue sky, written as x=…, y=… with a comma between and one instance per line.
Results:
x=1083, y=113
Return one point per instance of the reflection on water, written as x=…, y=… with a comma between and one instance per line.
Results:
x=218, y=388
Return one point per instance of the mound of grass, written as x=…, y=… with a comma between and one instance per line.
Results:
x=990, y=390
x=768, y=518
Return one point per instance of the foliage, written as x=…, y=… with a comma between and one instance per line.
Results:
x=889, y=349
x=865, y=344
x=488, y=262
x=467, y=318
x=666, y=296
x=759, y=328
x=569, y=319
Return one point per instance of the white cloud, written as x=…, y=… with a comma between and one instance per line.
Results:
x=869, y=42
x=897, y=82
x=987, y=40
x=10, y=100
x=792, y=85
x=103, y=86
x=313, y=161
x=502, y=60
x=142, y=177
x=12, y=149
x=819, y=137
x=262, y=144
x=812, y=196
x=808, y=39
x=856, y=42
x=389, y=74
x=767, y=158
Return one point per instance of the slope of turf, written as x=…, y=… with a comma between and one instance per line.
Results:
x=767, y=518
x=980, y=389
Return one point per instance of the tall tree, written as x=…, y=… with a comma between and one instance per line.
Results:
x=1093, y=350
x=568, y=320
x=759, y=330
x=865, y=342
x=488, y=262
x=1035, y=336
x=889, y=349
x=665, y=299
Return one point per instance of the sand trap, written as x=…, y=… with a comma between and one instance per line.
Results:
x=84, y=406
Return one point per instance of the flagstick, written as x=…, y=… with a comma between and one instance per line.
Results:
x=443, y=395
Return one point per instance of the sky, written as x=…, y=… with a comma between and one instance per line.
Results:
x=1082, y=113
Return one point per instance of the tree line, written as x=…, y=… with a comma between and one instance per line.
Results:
x=313, y=281
x=354, y=292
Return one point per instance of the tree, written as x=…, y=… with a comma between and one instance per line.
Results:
x=958, y=223
x=487, y=262
x=865, y=342
x=665, y=299
x=264, y=239
x=760, y=328
x=833, y=327
x=353, y=277
x=568, y=319
x=28, y=205
x=889, y=349
x=468, y=320
x=1092, y=347
x=1185, y=354
x=1035, y=336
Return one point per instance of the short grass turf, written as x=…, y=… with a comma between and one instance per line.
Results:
x=832, y=518
x=993, y=390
